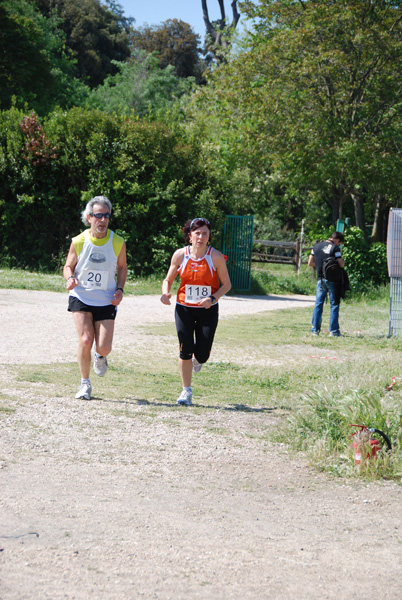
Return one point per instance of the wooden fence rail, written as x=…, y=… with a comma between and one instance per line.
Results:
x=289, y=252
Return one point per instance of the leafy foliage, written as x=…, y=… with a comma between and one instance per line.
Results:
x=315, y=100
x=174, y=43
x=140, y=86
x=220, y=33
x=95, y=34
x=151, y=172
x=365, y=264
x=34, y=67
x=37, y=147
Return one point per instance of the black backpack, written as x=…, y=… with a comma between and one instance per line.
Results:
x=331, y=270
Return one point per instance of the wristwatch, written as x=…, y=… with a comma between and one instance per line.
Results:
x=213, y=299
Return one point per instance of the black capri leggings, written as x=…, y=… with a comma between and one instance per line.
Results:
x=196, y=329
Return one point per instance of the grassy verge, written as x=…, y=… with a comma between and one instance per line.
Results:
x=281, y=279
x=266, y=279
x=305, y=390
x=53, y=282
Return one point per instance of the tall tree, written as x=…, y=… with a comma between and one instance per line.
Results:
x=25, y=67
x=34, y=67
x=318, y=97
x=174, y=43
x=96, y=35
x=220, y=31
x=140, y=86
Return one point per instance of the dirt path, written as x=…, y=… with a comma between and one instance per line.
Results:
x=125, y=504
x=37, y=328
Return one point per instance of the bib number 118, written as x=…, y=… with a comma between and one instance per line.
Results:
x=195, y=293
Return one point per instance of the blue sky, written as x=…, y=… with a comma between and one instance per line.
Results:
x=154, y=12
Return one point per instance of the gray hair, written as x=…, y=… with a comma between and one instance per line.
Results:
x=102, y=200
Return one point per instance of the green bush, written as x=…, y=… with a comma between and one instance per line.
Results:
x=153, y=174
x=366, y=264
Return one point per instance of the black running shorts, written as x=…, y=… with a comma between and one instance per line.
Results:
x=99, y=313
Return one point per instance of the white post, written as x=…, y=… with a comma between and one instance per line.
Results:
x=301, y=247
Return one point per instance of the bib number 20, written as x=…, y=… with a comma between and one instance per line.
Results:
x=95, y=279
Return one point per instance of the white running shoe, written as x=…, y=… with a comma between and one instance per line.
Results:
x=185, y=398
x=84, y=391
x=196, y=365
x=100, y=365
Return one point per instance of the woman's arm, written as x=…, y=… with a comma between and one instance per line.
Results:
x=222, y=270
x=176, y=261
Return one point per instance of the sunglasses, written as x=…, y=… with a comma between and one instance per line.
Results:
x=204, y=221
x=100, y=215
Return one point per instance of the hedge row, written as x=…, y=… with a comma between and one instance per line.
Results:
x=154, y=175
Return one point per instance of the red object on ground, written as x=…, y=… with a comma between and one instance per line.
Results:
x=375, y=446
x=357, y=445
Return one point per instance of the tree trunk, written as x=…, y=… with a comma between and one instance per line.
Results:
x=336, y=204
x=338, y=198
x=379, y=233
x=220, y=31
x=358, y=203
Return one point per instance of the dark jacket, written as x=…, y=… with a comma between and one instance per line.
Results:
x=344, y=285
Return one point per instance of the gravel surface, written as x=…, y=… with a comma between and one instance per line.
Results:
x=189, y=504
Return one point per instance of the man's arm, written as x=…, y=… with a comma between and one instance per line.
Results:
x=121, y=276
x=339, y=258
x=69, y=268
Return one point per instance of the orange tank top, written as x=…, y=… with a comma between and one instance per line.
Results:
x=199, y=279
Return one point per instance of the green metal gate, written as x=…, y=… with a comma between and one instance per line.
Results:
x=237, y=244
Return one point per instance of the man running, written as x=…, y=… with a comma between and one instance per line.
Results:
x=96, y=255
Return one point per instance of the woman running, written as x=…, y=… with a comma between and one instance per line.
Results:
x=204, y=279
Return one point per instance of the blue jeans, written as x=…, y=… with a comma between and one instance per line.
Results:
x=325, y=287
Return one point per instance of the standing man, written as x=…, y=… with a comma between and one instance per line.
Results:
x=321, y=251
x=94, y=258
